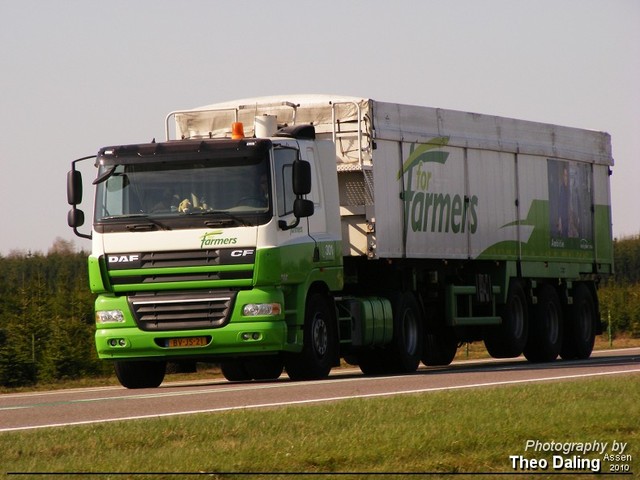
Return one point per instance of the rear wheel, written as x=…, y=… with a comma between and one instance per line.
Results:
x=545, y=333
x=509, y=339
x=580, y=325
x=320, y=342
x=406, y=346
x=439, y=348
x=140, y=374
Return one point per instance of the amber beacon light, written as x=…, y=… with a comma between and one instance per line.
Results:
x=237, y=131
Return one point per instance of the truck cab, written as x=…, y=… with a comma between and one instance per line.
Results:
x=206, y=249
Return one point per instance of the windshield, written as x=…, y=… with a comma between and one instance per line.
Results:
x=180, y=193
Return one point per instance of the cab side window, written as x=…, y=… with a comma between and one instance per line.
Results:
x=284, y=159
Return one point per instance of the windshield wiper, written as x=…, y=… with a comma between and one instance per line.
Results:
x=105, y=175
x=151, y=223
x=230, y=217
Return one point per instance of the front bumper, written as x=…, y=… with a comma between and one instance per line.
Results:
x=239, y=335
x=243, y=338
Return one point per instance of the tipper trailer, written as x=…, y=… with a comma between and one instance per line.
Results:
x=289, y=232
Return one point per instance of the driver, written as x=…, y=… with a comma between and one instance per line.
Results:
x=187, y=206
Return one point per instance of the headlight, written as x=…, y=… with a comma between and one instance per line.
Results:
x=261, y=309
x=110, y=316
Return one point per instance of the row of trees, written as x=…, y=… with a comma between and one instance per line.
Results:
x=46, y=317
x=47, y=326
x=620, y=295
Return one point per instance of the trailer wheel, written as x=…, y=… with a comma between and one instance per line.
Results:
x=140, y=374
x=407, y=343
x=509, y=339
x=545, y=333
x=235, y=371
x=580, y=325
x=264, y=368
x=320, y=347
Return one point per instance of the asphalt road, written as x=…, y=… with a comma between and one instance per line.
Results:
x=59, y=408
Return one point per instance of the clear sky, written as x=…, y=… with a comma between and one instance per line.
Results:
x=78, y=75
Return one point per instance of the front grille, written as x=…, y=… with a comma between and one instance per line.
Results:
x=209, y=267
x=163, y=312
x=182, y=277
x=191, y=258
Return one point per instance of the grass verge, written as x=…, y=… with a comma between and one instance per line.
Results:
x=449, y=433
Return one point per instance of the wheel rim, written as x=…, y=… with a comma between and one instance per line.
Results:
x=320, y=336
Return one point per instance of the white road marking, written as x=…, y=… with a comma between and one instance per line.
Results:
x=309, y=401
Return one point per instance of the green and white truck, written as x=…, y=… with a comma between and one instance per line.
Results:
x=286, y=233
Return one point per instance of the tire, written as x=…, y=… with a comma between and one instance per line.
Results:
x=141, y=374
x=408, y=327
x=509, y=339
x=320, y=341
x=235, y=371
x=439, y=348
x=264, y=368
x=545, y=332
x=375, y=362
x=580, y=325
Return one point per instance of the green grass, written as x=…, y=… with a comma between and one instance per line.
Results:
x=449, y=432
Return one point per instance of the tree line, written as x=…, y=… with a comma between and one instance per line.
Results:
x=46, y=317
x=620, y=295
x=47, y=321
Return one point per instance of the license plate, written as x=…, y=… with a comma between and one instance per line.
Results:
x=187, y=342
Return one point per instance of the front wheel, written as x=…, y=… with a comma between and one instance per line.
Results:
x=320, y=342
x=235, y=370
x=264, y=368
x=140, y=374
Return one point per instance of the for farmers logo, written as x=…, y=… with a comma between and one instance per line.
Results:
x=428, y=211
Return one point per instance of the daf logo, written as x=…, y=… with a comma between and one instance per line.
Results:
x=242, y=253
x=123, y=258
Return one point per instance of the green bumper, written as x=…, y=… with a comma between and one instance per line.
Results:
x=234, y=339
x=242, y=335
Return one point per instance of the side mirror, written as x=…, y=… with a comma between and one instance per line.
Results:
x=75, y=218
x=302, y=208
x=301, y=177
x=74, y=187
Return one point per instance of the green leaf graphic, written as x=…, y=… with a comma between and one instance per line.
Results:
x=422, y=154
